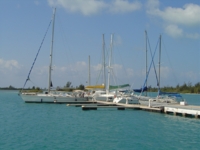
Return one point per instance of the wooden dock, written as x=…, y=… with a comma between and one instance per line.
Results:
x=175, y=109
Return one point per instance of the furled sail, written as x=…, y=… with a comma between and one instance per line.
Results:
x=111, y=87
x=95, y=87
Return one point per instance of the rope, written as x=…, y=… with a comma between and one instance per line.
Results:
x=153, y=62
x=148, y=71
x=28, y=77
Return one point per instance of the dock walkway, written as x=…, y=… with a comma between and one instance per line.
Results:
x=176, y=109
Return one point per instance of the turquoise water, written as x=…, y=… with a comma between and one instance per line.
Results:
x=27, y=126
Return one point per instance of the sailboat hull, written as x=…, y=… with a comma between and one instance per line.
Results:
x=126, y=100
x=51, y=99
x=104, y=97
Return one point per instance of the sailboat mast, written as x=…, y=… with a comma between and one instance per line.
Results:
x=51, y=50
x=89, y=70
x=104, y=63
x=146, y=56
x=109, y=65
x=159, y=63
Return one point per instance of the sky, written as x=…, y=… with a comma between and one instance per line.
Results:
x=79, y=28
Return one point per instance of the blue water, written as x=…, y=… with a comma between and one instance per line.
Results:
x=27, y=126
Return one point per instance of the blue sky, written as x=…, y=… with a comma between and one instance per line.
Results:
x=79, y=26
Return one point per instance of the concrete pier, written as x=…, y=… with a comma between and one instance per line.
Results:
x=175, y=109
x=186, y=111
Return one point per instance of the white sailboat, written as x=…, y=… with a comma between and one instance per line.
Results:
x=162, y=97
x=52, y=96
x=126, y=97
x=109, y=95
x=98, y=89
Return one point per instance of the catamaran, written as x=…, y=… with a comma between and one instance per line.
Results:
x=51, y=96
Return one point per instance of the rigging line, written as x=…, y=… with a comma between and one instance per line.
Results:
x=169, y=60
x=148, y=70
x=28, y=77
x=33, y=83
x=123, y=65
x=153, y=62
x=99, y=75
x=67, y=49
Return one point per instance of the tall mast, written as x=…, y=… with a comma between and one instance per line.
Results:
x=146, y=55
x=109, y=65
x=89, y=70
x=51, y=50
x=104, y=63
x=159, y=63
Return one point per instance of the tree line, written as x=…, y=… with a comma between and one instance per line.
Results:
x=68, y=87
x=185, y=88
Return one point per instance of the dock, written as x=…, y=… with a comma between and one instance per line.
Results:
x=185, y=111
x=167, y=108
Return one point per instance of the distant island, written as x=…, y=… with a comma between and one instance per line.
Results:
x=185, y=88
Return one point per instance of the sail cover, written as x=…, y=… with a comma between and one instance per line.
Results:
x=169, y=94
x=111, y=87
x=95, y=87
x=140, y=90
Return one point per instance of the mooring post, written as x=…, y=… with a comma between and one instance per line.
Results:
x=149, y=103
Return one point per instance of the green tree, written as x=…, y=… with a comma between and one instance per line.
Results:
x=68, y=84
x=81, y=87
x=11, y=87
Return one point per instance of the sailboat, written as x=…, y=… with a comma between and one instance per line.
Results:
x=109, y=95
x=97, y=89
x=162, y=97
x=51, y=96
x=129, y=96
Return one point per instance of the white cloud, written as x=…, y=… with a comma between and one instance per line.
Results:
x=98, y=67
x=174, y=31
x=177, y=18
x=90, y=7
x=183, y=16
x=11, y=72
x=9, y=64
x=122, y=6
x=191, y=75
x=86, y=7
x=193, y=36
